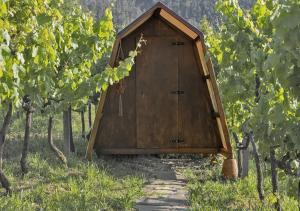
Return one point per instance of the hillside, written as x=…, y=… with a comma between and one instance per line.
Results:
x=125, y=11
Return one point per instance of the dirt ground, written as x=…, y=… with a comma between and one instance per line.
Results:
x=152, y=167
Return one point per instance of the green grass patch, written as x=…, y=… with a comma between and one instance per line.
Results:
x=50, y=185
x=208, y=191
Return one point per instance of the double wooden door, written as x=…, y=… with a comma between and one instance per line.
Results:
x=172, y=105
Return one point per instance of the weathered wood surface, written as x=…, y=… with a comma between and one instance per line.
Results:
x=198, y=126
x=156, y=106
x=185, y=150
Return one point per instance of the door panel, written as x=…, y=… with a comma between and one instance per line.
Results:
x=197, y=126
x=156, y=105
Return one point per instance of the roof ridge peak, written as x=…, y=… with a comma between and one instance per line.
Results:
x=150, y=12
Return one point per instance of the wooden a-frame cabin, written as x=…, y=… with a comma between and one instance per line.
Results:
x=170, y=102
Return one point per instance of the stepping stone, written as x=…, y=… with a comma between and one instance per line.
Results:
x=164, y=195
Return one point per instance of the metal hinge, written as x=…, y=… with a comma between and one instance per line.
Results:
x=206, y=77
x=177, y=43
x=177, y=141
x=178, y=92
x=215, y=114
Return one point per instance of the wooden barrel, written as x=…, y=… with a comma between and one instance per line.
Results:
x=230, y=169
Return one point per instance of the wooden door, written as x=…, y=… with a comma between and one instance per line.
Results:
x=197, y=127
x=156, y=103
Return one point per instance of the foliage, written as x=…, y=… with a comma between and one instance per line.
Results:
x=257, y=52
x=20, y=33
x=82, y=43
x=113, y=75
x=48, y=51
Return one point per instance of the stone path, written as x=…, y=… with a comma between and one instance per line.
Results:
x=166, y=189
x=167, y=192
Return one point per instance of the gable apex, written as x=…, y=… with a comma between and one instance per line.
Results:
x=166, y=14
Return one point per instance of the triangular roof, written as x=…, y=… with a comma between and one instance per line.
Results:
x=166, y=14
x=190, y=31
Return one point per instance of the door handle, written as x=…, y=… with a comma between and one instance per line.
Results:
x=178, y=92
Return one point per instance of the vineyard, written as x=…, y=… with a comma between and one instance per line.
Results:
x=54, y=70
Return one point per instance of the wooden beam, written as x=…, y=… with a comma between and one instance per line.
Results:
x=99, y=114
x=114, y=52
x=212, y=91
x=178, y=24
x=226, y=153
x=220, y=127
x=167, y=14
x=219, y=104
x=200, y=52
x=138, y=22
x=127, y=151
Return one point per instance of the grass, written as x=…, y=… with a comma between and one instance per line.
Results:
x=50, y=185
x=208, y=191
